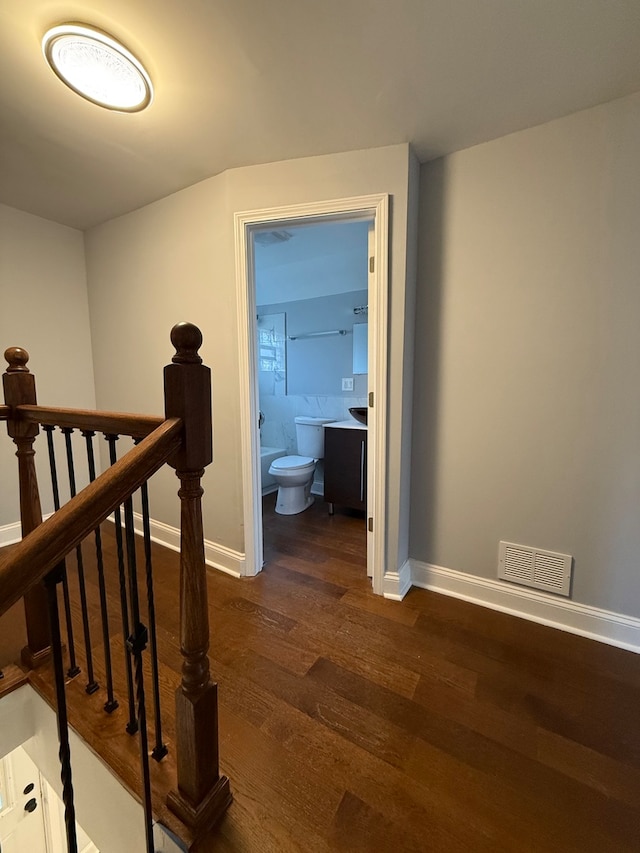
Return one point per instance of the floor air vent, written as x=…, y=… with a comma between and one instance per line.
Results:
x=536, y=568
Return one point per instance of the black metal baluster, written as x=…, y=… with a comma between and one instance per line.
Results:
x=111, y=704
x=74, y=669
x=92, y=684
x=136, y=644
x=51, y=582
x=132, y=725
x=160, y=749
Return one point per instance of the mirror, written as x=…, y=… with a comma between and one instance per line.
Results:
x=360, y=348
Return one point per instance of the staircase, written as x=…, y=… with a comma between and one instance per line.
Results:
x=86, y=579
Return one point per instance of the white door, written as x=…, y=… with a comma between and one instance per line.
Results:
x=371, y=283
x=31, y=813
x=53, y=808
x=22, y=824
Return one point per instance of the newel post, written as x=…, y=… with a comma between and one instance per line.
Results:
x=202, y=795
x=20, y=389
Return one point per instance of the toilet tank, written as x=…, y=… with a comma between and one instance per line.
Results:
x=310, y=436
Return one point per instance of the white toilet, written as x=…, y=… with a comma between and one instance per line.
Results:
x=294, y=474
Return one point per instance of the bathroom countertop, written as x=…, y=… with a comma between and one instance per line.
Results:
x=352, y=423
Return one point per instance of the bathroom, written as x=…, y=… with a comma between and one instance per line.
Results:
x=311, y=296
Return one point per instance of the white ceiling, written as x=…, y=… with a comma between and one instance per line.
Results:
x=319, y=259
x=240, y=82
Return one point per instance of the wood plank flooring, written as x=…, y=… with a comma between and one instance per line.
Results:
x=351, y=723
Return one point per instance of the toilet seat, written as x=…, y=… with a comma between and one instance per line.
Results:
x=294, y=473
x=292, y=463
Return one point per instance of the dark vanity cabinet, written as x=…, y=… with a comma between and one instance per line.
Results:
x=345, y=467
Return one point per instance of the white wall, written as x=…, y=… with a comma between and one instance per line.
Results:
x=45, y=310
x=527, y=403
x=174, y=260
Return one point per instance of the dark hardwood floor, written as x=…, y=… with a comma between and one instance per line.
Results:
x=351, y=723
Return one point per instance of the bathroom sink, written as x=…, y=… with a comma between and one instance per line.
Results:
x=359, y=413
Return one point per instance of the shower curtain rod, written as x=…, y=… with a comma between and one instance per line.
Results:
x=319, y=334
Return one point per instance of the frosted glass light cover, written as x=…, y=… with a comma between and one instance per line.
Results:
x=97, y=67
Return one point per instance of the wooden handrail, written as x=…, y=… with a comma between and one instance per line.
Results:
x=117, y=423
x=32, y=558
x=184, y=441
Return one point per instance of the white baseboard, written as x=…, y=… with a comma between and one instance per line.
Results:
x=12, y=533
x=616, y=629
x=217, y=556
x=396, y=585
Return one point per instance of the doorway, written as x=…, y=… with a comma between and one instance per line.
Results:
x=280, y=221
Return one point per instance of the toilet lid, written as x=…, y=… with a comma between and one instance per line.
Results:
x=291, y=463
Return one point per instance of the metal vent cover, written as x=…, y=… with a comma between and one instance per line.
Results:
x=534, y=567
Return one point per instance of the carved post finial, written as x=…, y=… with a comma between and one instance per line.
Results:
x=17, y=358
x=187, y=339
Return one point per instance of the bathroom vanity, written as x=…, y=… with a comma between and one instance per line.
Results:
x=345, y=464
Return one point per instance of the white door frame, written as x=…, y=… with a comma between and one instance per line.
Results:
x=375, y=207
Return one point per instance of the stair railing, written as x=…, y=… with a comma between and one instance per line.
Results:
x=35, y=568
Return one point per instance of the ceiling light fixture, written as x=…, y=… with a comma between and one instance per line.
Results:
x=97, y=67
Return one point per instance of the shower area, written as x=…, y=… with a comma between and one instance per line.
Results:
x=272, y=382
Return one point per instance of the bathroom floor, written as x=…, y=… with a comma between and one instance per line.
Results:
x=296, y=536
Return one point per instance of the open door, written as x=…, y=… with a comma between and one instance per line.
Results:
x=369, y=208
x=371, y=342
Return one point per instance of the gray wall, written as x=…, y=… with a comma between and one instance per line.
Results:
x=174, y=260
x=45, y=309
x=527, y=404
